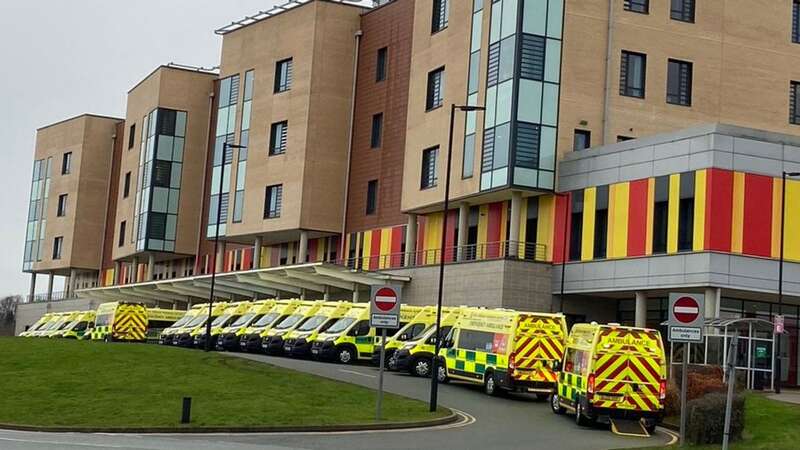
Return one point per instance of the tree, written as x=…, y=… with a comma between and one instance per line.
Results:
x=8, y=309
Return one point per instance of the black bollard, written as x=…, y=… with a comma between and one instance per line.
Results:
x=186, y=414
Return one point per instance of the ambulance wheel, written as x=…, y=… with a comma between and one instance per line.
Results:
x=421, y=367
x=490, y=386
x=555, y=404
x=650, y=425
x=580, y=417
x=345, y=355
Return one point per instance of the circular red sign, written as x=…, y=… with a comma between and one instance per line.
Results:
x=686, y=310
x=385, y=299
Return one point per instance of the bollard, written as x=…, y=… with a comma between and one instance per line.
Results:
x=186, y=414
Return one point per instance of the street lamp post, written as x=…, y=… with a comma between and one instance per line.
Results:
x=225, y=147
x=438, y=340
x=777, y=372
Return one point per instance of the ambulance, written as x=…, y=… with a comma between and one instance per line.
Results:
x=184, y=337
x=120, y=321
x=229, y=316
x=412, y=330
x=272, y=340
x=504, y=350
x=230, y=336
x=612, y=372
x=56, y=321
x=77, y=327
x=297, y=343
x=167, y=334
x=39, y=324
x=251, y=338
x=416, y=356
x=159, y=319
x=63, y=321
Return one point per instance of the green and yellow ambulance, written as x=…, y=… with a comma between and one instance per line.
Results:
x=39, y=324
x=77, y=327
x=411, y=331
x=612, y=372
x=231, y=335
x=56, y=321
x=297, y=343
x=272, y=339
x=63, y=322
x=229, y=316
x=251, y=338
x=159, y=319
x=504, y=350
x=184, y=337
x=416, y=356
x=120, y=321
x=168, y=334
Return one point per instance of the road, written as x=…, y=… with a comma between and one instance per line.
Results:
x=511, y=422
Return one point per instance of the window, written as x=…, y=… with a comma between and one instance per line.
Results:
x=272, y=201
x=796, y=21
x=621, y=138
x=66, y=163
x=439, y=16
x=58, y=243
x=682, y=10
x=380, y=65
x=660, y=214
x=429, y=176
x=126, y=188
x=679, y=82
x=435, y=94
x=131, y=136
x=632, y=74
x=480, y=341
x=122, y=228
x=372, y=196
x=377, y=130
x=601, y=222
x=686, y=212
x=283, y=75
x=62, y=205
x=639, y=6
x=582, y=140
x=794, y=106
x=576, y=227
x=277, y=138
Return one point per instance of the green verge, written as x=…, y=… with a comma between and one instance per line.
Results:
x=64, y=383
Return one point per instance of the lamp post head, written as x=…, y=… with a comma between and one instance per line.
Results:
x=792, y=174
x=468, y=108
x=225, y=144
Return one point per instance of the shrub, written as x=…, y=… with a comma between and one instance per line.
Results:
x=706, y=418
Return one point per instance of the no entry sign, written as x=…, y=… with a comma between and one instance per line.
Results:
x=385, y=307
x=686, y=310
x=686, y=317
x=385, y=299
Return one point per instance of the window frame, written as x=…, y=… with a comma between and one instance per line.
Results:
x=381, y=63
x=273, y=211
x=629, y=5
x=123, y=229
x=58, y=247
x=680, y=98
x=794, y=102
x=587, y=134
x=682, y=15
x=66, y=163
x=61, y=206
x=283, y=85
x=796, y=22
x=429, y=180
x=440, y=12
x=372, y=197
x=625, y=87
x=435, y=77
x=281, y=141
x=126, y=185
x=376, y=135
x=131, y=135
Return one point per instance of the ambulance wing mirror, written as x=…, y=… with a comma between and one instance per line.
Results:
x=557, y=366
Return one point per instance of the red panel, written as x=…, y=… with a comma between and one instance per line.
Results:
x=637, y=218
x=450, y=236
x=312, y=250
x=561, y=228
x=247, y=259
x=275, y=256
x=397, y=246
x=493, y=229
x=375, y=249
x=719, y=210
x=757, y=226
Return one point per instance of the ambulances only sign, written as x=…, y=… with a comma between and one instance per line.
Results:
x=686, y=319
x=384, y=309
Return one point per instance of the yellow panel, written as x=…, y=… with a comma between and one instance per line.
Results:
x=738, y=212
x=698, y=241
x=366, y=250
x=266, y=256
x=618, y=214
x=651, y=192
x=433, y=237
x=672, y=220
x=357, y=262
x=386, y=247
x=791, y=237
x=546, y=223
x=777, y=199
x=587, y=239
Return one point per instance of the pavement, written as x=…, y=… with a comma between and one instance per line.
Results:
x=497, y=423
x=786, y=396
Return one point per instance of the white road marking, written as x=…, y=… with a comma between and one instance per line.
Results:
x=673, y=436
x=356, y=373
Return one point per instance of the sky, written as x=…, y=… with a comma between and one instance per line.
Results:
x=65, y=58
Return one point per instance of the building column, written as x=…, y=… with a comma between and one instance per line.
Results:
x=411, y=241
x=135, y=270
x=327, y=294
x=463, y=231
x=50, y=277
x=32, y=292
x=302, y=249
x=513, y=238
x=151, y=261
x=302, y=294
x=117, y=272
x=257, y=252
x=641, y=309
x=71, y=281
x=219, y=259
x=712, y=298
x=355, y=293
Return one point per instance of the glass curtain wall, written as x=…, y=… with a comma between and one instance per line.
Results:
x=37, y=218
x=244, y=140
x=225, y=132
x=472, y=89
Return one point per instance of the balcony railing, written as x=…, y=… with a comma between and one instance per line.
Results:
x=55, y=297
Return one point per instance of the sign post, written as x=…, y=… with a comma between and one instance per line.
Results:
x=685, y=324
x=384, y=313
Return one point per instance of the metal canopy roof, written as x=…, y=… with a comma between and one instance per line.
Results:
x=285, y=281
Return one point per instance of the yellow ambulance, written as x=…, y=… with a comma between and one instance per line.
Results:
x=415, y=356
x=272, y=339
x=612, y=372
x=230, y=336
x=504, y=350
x=63, y=321
x=120, y=321
x=297, y=343
x=167, y=334
x=77, y=327
x=184, y=337
x=56, y=319
x=251, y=338
x=422, y=321
x=229, y=316
x=39, y=324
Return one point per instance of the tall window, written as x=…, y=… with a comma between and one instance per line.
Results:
x=632, y=72
x=380, y=64
x=660, y=214
x=122, y=229
x=66, y=163
x=679, y=82
x=377, y=130
x=430, y=175
x=62, y=205
x=576, y=227
x=686, y=212
x=277, y=138
x=439, y=16
x=283, y=75
x=435, y=95
x=126, y=187
x=601, y=223
x=794, y=105
x=272, y=201
x=372, y=196
x=58, y=243
x=682, y=10
x=796, y=21
x=582, y=140
x=639, y=6
x=132, y=136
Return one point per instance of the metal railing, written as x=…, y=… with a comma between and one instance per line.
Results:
x=54, y=297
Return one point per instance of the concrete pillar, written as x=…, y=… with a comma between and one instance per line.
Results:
x=641, y=309
x=302, y=249
x=327, y=294
x=302, y=294
x=117, y=272
x=135, y=270
x=220, y=258
x=355, y=293
x=50, y=277
x=151, y=261
x=514, y=246
x=713, y=299
x=32, y=292
x=463, y=231
x=257, y=252
x=72, y=281
x=411, y=240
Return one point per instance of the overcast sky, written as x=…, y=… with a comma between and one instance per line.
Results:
x=64, y=58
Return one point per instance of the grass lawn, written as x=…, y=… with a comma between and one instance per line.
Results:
x=49, y=382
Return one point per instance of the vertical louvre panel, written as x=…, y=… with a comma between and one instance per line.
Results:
x=527, y=145
x=796, y=21
x=488, y=150
x=794, y=108
x=532, y=57
x=493, y=70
